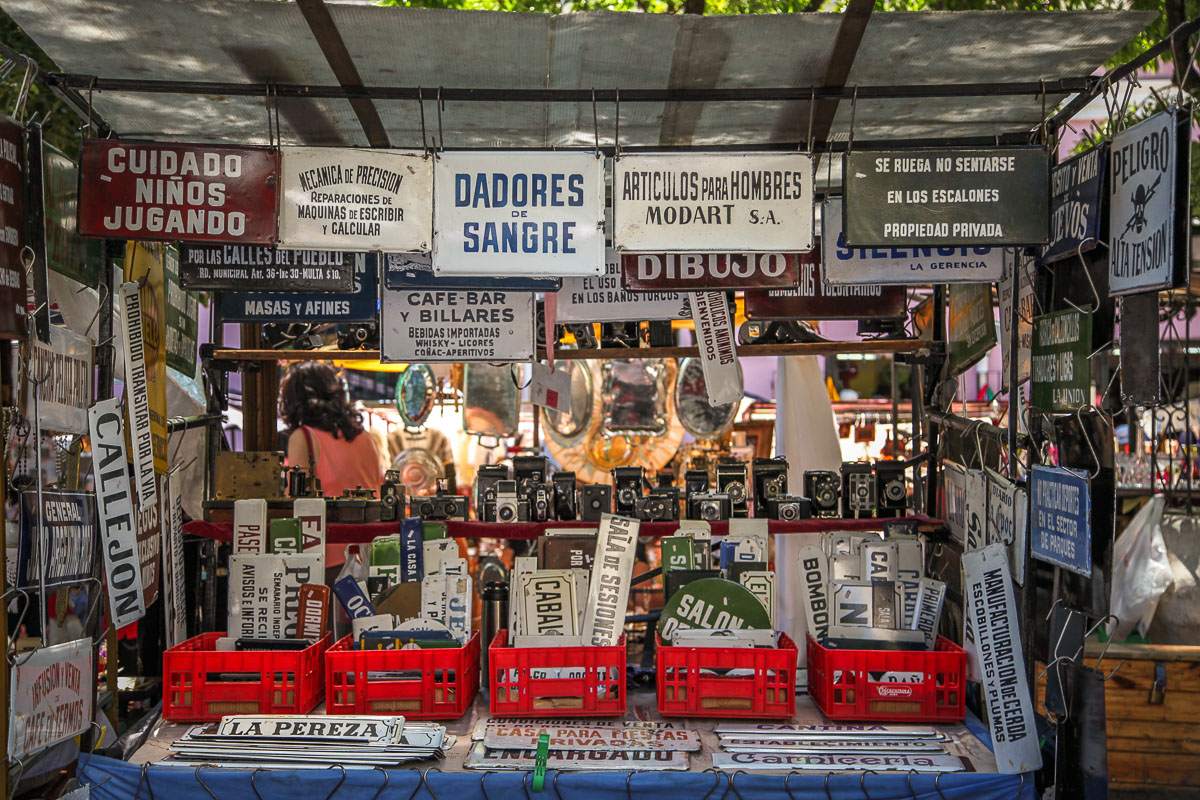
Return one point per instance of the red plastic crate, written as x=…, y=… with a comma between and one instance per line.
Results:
x=287, y=682
x=840, y=683
x=685, y=689
x=443, y=688
x=599, y=691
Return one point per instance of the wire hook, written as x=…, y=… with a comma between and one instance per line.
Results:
x=253, y=787
x=200, y=781
x=617, y=132
x=862, y=782
x=595, y=122
x=424, y=135
x=343, y=780
x=440, y=106
x=386, y=780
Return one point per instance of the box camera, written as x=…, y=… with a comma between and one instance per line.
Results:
x=661, y=505
x=695, y=481
x=541, y=502
x=528, y=470
x=709, y=506
x=788, y=508
x=487, y=477
x=391, y=496
x=507, y=502
x=823, y=487
x=858, y=490
x=891, y=490
x=731, y=480
x=770, y=480
x=438, y=507
x=596, y=500
x=627, y=483
x=565, y=501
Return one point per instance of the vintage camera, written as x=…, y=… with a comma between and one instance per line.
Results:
x=528, y=470
x=823, y=487
x=438, y=506
x=627, y=482
x=695, y=481
x=487, y=478
x=596, y=499
x=507, y=502
x=660, y=505
x=541, y=502
x=709, y=506
x=731, y=480
x=858, y=490
x=891, y=491
x=770, y=480
x=391, y=496
x=565, y=505
x=788, y=507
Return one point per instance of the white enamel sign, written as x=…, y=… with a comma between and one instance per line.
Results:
x=988, y=592
x=1025, y=311
x=465, y=325
x=51, y=697
x=709, y=202
x=173, y=570
x=901, y=265
x=250, y=526
x=114, y=503
x=137, y=395
x=718, y=352
x=64, y=369
x=954, y=486
x=585, y=736
x=616, y=543
x=833, y=762
x=519, y=213
x=264, y=594
x=603, y=298
x=338, y=198
x=814, y=574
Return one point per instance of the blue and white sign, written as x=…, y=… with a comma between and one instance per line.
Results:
x=519, y=213
x=415, y=271
x=1062, y=518
x=901, y=265
x=357, y=306
x=1076, y=196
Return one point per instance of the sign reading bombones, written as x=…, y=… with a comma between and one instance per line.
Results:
x=1149, y=224
x=1076, y=192
x=356, y=199
x=168, y=192
x=699, y=271
x=468, y=325
x=247, y=268
x=1060, y=370
x=813, y=298
x=603, y=299
x=947, y=197
x=713, y=202
x=519, y=213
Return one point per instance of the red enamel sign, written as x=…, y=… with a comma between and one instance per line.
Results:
x=812, y=298
x=695, y=272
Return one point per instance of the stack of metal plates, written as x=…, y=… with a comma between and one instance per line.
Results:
x=834, y=747
x=283, y=740
x=582, y=745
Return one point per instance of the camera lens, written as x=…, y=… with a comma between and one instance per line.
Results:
x=710, y=511
x=506, y=513
x=789, y=512
x=426, y=509
x=736, y=491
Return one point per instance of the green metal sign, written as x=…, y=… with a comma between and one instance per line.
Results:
x=712, y=603
x=972, y=325
x=1061, y=368
x=181, y=309
x=67, y=253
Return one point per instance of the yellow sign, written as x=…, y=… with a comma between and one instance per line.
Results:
x=144, y=264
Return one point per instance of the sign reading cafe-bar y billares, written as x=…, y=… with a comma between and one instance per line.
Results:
x=713, y=202
x=969, y=197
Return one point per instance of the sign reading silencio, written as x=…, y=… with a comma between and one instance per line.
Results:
x=466, y=325
x=185, y=192
x=12, y=229
x=814, y=299
x=689, y=272
x=1148, y=187
x=1076, y=196
x=964, y=197
x=340, y=198
x=1060, y=370
x=519, y=213
x=713, y=202
x=247, y=268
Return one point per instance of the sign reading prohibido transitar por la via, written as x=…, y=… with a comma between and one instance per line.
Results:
x=519, y=213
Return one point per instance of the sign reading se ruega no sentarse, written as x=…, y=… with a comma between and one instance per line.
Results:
x=947, y=197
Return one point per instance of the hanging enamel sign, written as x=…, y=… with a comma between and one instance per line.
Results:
x=64, y=371
x=954, y=490
x=415, y=271
x=1060, y=366
x=1024, y=272
x=718, y=353
x=656, y=272
x=67, y=522
x=1062, y=518
x=603, y=298
x=519, y=213
x=467, y=325
x=133, y=346
x=51, y=697
x=12, y=229
x=248, y=268
x=972, y=325
x=1076, y=196
x=813, y=298
x=343, y=198
x=603, y=618
x=675, y=202
x=357, y=305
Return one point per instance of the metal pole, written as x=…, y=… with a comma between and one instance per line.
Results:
x=1014, y=344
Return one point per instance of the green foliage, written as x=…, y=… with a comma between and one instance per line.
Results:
x=61, y=127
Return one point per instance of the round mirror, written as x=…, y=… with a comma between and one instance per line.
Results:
x=414, y=395
x=568, y=427
x=691, y=404
x=419, y=470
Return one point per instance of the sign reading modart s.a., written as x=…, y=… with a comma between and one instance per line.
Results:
x=966, y=197
x=1076, y=195
x=1149, y=165
x=340, y=198
x=694, y=272
x=249, y=268
x=711, y=202
x=813, y=298
x=519, y=213
x=357, y=305
x=603, y=298
x=467, y=325
x=185, y=192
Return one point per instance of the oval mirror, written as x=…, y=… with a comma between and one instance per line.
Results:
x=569, y=427
x=491, y=400
x=691, y=404
x=415, y=392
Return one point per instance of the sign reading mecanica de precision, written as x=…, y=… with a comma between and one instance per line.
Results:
x=947, y=197
x=1061, y=372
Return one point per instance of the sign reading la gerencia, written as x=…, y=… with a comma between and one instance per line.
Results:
x=519, y=213
x=357, y=305
x=1062, y=518
x=246, y=268
x=1076, y=194
x=712, y=202
x=468, y=325
x=966, y=197
x=1060, y=370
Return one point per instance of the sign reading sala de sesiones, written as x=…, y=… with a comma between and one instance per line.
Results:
x=965, y=197
x=519, y=213
x=813, y=298
x=177, y=192
x=713, y=202
x=250, y=268
x=466, y=325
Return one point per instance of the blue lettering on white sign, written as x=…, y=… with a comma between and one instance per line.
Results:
x=1062, y=518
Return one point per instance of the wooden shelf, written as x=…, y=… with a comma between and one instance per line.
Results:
x=804, y=349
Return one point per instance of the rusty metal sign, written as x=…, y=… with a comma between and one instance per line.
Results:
x=814, y=299
x=694, y=272
x=178, y=192
x=248, y=268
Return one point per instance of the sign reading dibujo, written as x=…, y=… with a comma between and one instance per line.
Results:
x=1076, y=193
x=1060, y=370
x=356, y=306
x=519, y=213
x=970, y=197
x=713, y=202
x=690, y=272
x=1062, y=518
x=467, y=325
x=249, y=268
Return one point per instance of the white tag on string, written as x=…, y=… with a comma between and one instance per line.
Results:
x=550, y=388
x=718, y=354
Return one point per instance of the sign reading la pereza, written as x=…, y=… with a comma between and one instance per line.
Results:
x=519, y=213
x=169, y=192
x=467, y=325
x=712, y=202
x=901, y=265
x=248, y=268
x=657, y=272
x=1076, y=195
x=337, y=198
x=961, y=197
x=813, y=298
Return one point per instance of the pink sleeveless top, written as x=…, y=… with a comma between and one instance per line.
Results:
x=345, y=465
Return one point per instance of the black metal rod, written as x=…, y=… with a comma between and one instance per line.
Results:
x=970, y=427
x=175, y=424
x=69, y=98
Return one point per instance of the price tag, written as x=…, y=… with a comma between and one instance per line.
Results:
x=550, y=388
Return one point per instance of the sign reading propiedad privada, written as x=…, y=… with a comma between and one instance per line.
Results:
x=467, y=325
x=1076, y=195
x=713, y=202
x=961, y=197
x=1061, y=509
x=1060, y=370
x=519, y=213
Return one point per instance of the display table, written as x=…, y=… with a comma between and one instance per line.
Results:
x=447, y=780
